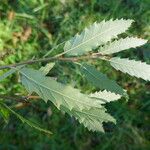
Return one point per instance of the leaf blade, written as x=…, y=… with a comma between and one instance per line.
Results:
x=105, y=96
x=100, y=80
x=10, y=72
x=88, y=111
x=121, y=44
x=47, y=68
x=24, y=120
x=134, y=68
x=38, y=82
x=96, y=35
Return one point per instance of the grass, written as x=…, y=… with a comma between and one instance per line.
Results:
x=30, y=29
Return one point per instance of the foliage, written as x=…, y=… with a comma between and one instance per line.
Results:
x=65, y=98
x=132, y=67
x=100, y=80
x=53, y=26
x=5, y=109
x=122, y=44
x=96, y=35
x=88, y=111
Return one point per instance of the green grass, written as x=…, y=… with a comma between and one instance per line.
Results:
x=53, y=22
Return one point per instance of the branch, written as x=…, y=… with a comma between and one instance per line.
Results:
x=19, y=98
x=73, y=59
x=23, y=100
x=14, y=97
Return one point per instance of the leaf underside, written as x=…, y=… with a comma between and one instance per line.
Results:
x=96, y=35
x=134, y=68
x=105, y=96
x=86, y=110
x=121, y=44
x=47, y=68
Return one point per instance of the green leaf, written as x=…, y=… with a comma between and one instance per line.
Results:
x=100, y=80
x=134, y=68
x=10, y=72
x=68, y=99
x=4, y=113
x=96, y=35
x=121, y=44
x=47, y=68
x=49, y=89
x=24, y=120
x=91, y=118
x=105, y=96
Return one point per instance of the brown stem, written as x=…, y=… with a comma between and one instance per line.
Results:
x=16, y=98
x=23, y=101
x=19, y=98
x=74, y=59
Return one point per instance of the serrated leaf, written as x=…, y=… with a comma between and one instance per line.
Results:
x=105, y=96
x=134, y=68
x=96, y=35
x=24, y=120
x=47, y=68
x=91, y=118
x=81, y=106
x=100, y=80
x=49, y=89
x=121, y=44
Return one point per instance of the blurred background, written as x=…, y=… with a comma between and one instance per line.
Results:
x=29, y=29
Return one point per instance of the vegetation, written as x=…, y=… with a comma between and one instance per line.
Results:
x=33, y=30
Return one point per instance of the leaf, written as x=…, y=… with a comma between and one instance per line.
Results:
x=47, y=68
x=49, y=89
x=134, y=68
x=100, y=80
x=91, y=118
x=4, y=113
x=96, y=35
x=68, y=99
x=105, y=96
x=24, y=120
x=10, y=72
x=122, y=44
